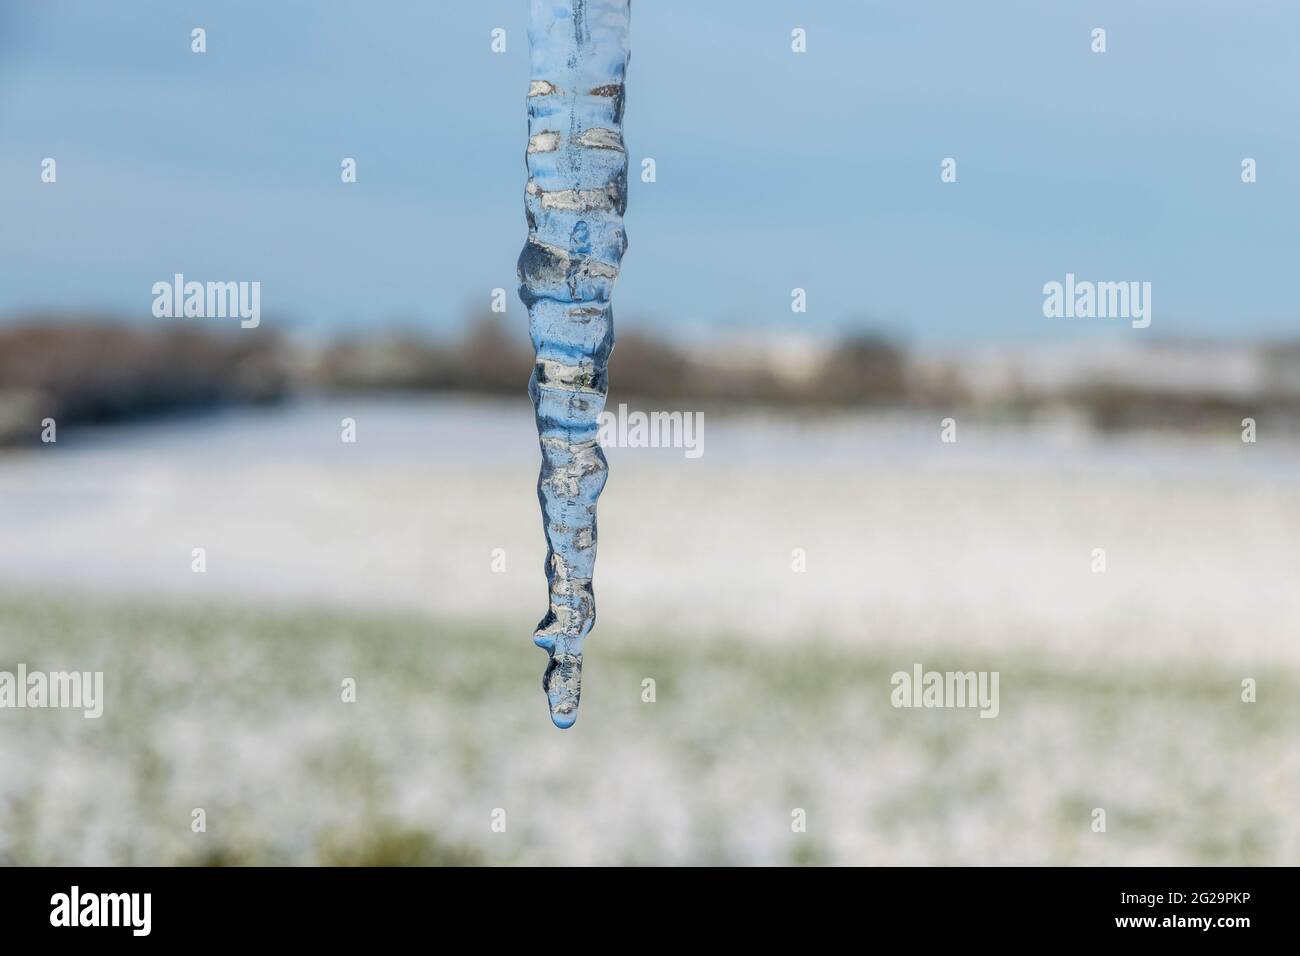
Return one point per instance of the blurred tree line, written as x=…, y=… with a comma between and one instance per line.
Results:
x=87, y=369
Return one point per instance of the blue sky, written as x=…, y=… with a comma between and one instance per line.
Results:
x=775, y=170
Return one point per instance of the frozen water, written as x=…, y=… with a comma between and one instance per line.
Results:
x=574, y=201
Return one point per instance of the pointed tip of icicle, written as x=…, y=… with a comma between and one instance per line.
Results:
x=564, y=720
x=563, y=685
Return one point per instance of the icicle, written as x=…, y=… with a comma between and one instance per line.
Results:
x=574, y=201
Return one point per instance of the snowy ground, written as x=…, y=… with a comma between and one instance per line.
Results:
x=986, y=543
x=1119, y=690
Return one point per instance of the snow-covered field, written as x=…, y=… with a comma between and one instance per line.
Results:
x=1119, y=690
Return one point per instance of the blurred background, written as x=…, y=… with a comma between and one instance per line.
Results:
x=410, y=560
